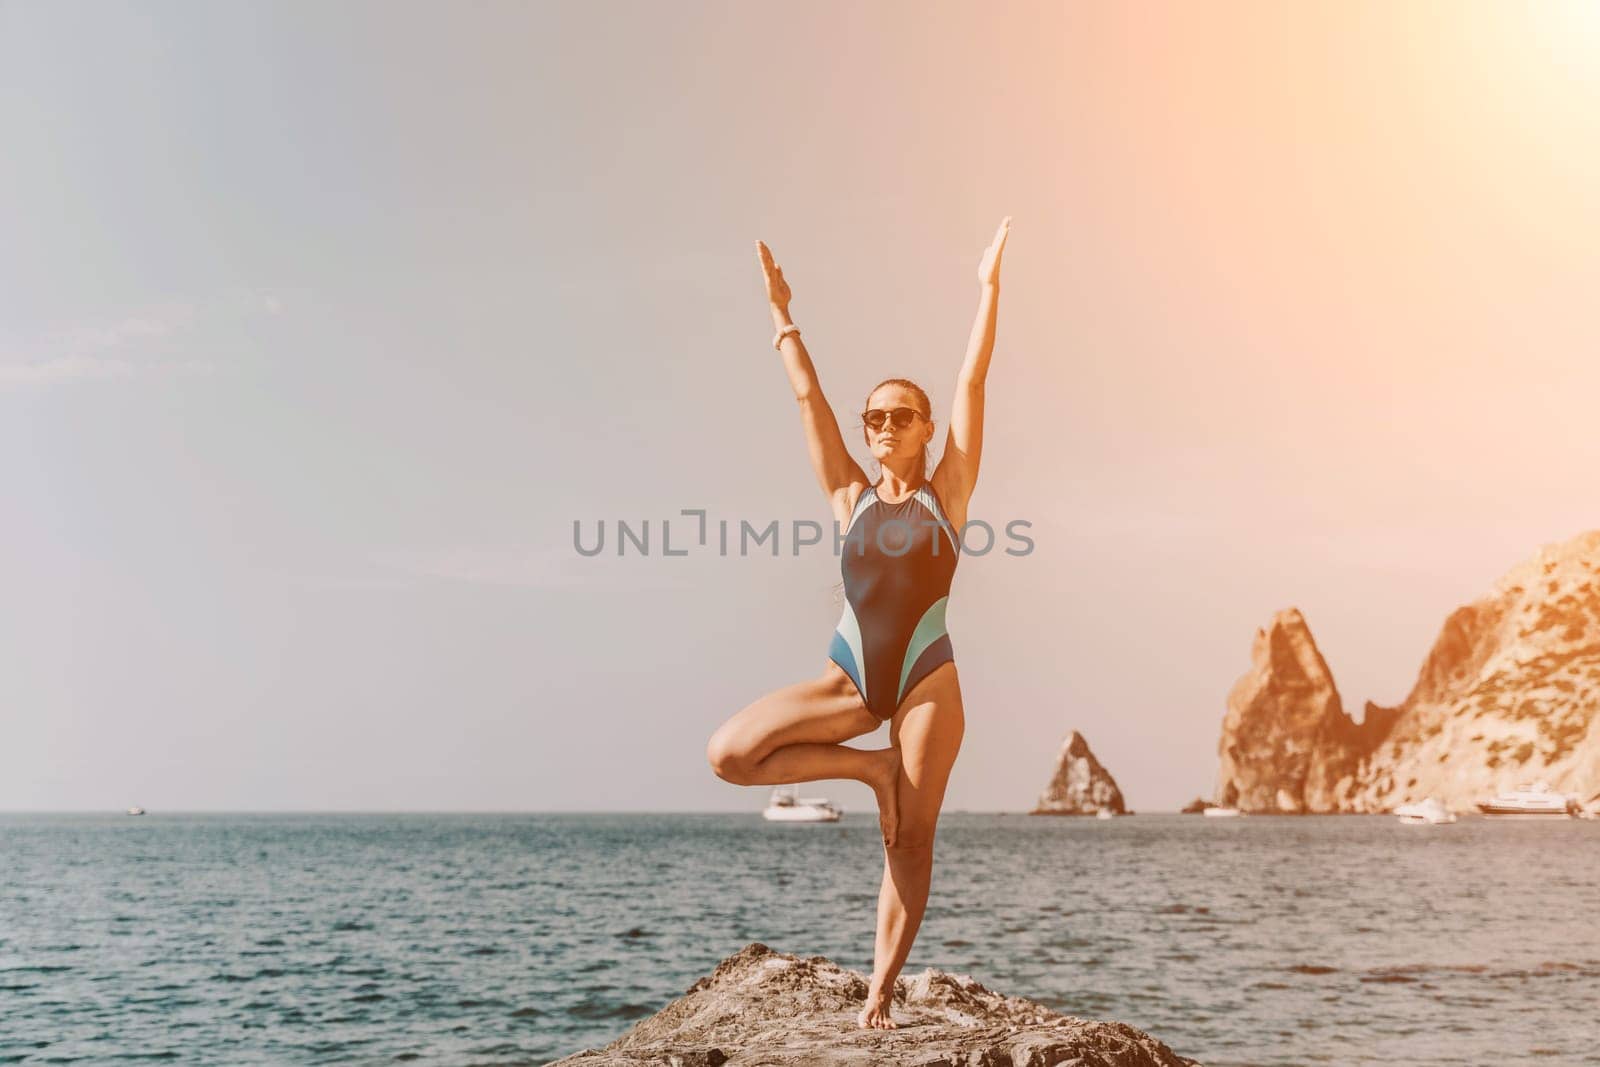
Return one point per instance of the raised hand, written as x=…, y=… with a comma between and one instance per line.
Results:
x=989, y=266
x=777, y=288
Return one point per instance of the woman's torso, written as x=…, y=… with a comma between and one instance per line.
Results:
x=899, y=550
x=898, y=558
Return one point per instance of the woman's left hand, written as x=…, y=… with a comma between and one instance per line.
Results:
x=989, y=267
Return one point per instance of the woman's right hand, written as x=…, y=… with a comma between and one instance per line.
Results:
x=777, y=288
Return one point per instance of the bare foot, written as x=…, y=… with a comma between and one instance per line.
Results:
x=887, y=788
x=876, y=1014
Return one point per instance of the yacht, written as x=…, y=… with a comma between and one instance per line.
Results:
x=1220, y=813
x=1536, y=799
x=1105, y=813
x=790, y=806
x=135, y=811
x=1590, y=809
x=1430, y=812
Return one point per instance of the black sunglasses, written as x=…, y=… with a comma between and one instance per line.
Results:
x=899, y=418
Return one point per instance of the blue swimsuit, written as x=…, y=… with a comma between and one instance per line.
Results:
x=898, y=560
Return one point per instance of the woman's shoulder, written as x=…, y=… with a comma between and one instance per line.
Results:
x=950, y=498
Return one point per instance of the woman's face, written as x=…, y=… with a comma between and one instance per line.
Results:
x=891, y=441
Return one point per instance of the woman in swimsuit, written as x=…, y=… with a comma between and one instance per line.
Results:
x=890, y=658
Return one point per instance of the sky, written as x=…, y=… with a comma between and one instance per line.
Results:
x=321, y=326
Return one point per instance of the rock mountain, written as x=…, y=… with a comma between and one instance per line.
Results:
x=1509, y=694
x=1080, y=785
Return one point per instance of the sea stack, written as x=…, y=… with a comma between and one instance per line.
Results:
x=1508, y=695
x=761, y=1006
x=1080, y=785
x=1287, y=745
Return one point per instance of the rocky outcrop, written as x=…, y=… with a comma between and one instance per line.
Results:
x=1195, y=806
x=1080, y=785
x=1509, y=694
x=1287, y=744
x=766, y=1007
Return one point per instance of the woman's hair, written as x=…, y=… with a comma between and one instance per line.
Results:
x=922, y=400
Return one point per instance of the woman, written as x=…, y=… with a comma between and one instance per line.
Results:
x=890, y=658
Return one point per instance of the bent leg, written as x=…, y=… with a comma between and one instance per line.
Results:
x=792, y=735
x=928, y=731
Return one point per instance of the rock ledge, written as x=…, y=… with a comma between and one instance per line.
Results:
x=764, y=1007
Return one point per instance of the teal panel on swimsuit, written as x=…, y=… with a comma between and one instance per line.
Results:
x=929, y=629
x=840, y=653
x=863, y=502
x=931, y=502
x=850, y=632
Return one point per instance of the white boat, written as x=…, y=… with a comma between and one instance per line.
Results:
x=1105, y=813
x=1221, y=813
x=1429, y=811
x=135, y=811
x=792, y=807
x=1537, y=799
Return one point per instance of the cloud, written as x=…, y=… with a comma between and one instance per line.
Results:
x=143, y=343
x=90, y=338
x=530, y=568
x=481, y=565
x=63, y=369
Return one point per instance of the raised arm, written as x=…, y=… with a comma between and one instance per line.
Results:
x=840, y=476
x=957, y=474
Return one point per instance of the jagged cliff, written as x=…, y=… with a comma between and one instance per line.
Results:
x=1080, y=785
x=1508, y=694
x=1287, y=744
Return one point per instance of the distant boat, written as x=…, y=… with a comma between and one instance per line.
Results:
x=792, y=807
x=1590, y=809
x=1105, y=813
x=1221, y=813
x=1429, y=811
x=135, y=811
x=1536, y=799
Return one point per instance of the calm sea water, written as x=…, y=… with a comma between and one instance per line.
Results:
x=504, y=939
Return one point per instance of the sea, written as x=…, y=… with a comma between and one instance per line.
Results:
x=462, y=939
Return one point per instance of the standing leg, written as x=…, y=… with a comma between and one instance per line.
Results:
x=927, y=729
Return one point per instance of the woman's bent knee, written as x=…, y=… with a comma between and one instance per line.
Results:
x=728, y=760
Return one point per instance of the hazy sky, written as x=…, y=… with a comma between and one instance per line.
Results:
x=321, y=324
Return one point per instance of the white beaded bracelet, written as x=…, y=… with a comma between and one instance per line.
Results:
x=777, y=338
